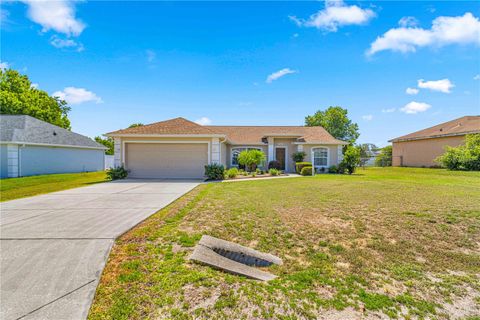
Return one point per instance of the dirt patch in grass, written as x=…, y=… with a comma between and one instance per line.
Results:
x=389, y=243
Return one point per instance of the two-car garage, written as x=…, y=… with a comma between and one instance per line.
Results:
x=168, y=160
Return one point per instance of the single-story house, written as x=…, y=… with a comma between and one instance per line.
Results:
x=29, y=146
x=421, y=148
x=179, y=148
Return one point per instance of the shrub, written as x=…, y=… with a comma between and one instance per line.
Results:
x=298, y=156
x=384, y=158
x=274, y=172
x=274, y=164
x=231, y=173
x=251, y=158
x=258, y=171
x=299, y=166
x=117, y=173
x=333, y=169
x=351, y=159
x=306, y=171
x=214, y=171
x=464, y=157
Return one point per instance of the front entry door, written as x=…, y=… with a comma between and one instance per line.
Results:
x=280, y=157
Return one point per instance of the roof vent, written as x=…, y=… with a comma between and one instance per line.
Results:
x=441, y=129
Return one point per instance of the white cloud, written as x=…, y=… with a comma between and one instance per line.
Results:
x=66, y=43
x=412, y=91
x=406, y=22
x=336, y=14
x=203, y=121
x=367, y=117
x=415, y=107
x=34, y=86
x=389, y=110
x=444, y=31
x=58, y=15
x=77, y=95
x=477, y=77
x=443, y=85
x=4, y=65
x=278, y=74
x=151, y=55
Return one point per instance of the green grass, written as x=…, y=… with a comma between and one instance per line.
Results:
x=400, y=242
x=15, y=188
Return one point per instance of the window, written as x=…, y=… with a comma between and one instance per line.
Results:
x=320, y=157
x=236, y=152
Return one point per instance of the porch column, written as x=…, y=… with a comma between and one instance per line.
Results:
x=117, y=152
x=12, y=161
x=271, y=149
x=215, y=150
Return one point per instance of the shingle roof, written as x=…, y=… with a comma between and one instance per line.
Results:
x=234, y=134
x=173, y=126
x=460, y=126
x=254, y=134
x=26, y=129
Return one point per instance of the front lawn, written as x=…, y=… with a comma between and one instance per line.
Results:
x=15, y=188
x=388, y=242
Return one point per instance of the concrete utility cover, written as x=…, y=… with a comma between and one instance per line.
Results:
x=54, y=246
x=234, y=258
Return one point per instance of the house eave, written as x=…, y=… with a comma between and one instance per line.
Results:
x=434, y=136
x=52, y=145
x=136, y=135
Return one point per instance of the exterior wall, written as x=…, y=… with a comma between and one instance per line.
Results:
x=334, y=156
x=36, y=160
x=422, y=153
x=3, y=161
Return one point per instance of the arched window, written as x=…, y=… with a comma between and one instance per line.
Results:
x=320, y=157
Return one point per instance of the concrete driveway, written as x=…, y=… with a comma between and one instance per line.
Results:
x=54, y=246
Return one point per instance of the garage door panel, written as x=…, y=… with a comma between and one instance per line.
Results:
x=166, y=160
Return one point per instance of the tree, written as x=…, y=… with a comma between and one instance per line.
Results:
x=463, y=157
x=366, y=152
x=18, y=96
x=251, y=159
x=134, y=125
x=351, y=159
x=336, y=122
x=108, y=142
x=384, y=158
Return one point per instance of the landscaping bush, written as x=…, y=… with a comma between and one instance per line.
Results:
x=214, y=171
x=306, y=171
x=251, y=159
x=299, y=166
x=384, y=159
x=464, y=157
x=298, y=156
x=333, y=169
x=231, y=173
x=274, y=164
x=274, y=172
x=259, y=171
x=351, y=159
x=117, y=173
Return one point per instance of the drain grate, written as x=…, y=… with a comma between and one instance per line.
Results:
x=234, y=258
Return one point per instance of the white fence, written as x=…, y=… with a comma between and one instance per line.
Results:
x=108, y=161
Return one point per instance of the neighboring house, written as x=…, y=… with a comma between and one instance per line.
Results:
x=421, y=148
x=29, y=146
x=179, y=148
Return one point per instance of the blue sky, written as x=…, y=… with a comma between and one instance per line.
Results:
x=250, y=63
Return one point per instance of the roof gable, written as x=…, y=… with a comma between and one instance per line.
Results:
x=168, y=127
x=460, y=126
x=26, y=129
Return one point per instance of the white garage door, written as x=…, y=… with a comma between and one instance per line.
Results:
x=166, y=160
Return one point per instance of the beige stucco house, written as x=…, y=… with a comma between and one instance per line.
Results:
x=421, y=148
x=179, y=148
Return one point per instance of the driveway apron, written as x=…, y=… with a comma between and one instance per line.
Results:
x=55, y=246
